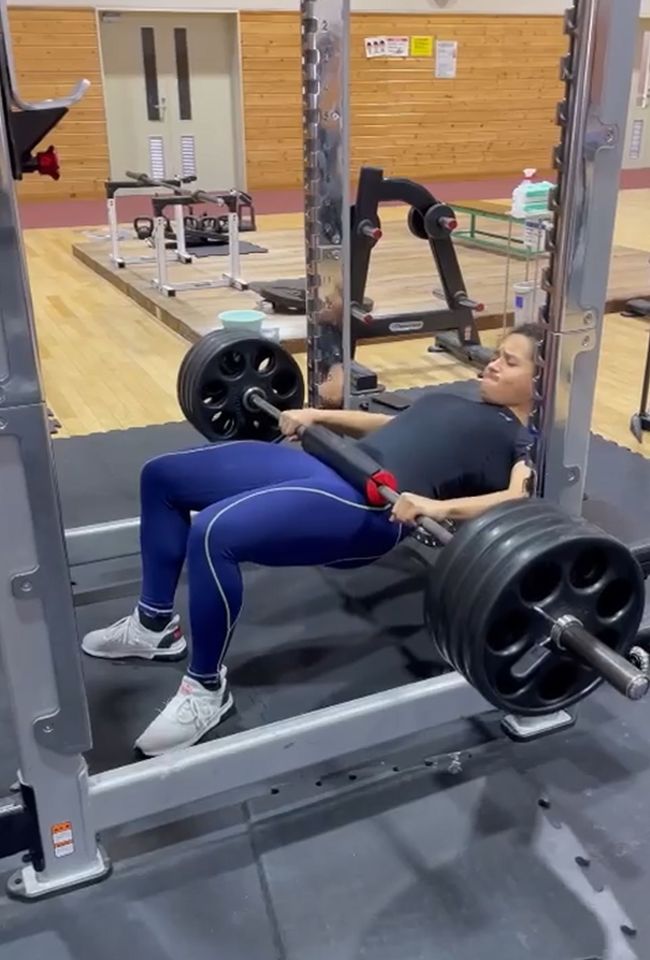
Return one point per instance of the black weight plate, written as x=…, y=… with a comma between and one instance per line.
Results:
x=415, y=221
x=199, y=355
x=444, y=598
x=508, y=530
x=511, y=638
x=469, y=592
x=196, y=386
x=432, y=225
x=192, y=366
x=508, y=549
x=611, y=608
x=192, y=362
x=219, y=369
x=547, y=564
x=484, y=562
x=458, y=565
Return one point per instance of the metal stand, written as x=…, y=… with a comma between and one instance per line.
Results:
x=233, y=274
x=640, y=422
x=39, y=646
x=597, y=74
x=327, y=190
x=115, y=188
x=525, y=729
x=231, y=278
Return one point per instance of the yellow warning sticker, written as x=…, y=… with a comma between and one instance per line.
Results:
x=62, y=839
x=421, y=46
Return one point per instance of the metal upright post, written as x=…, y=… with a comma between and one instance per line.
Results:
x=597, y=73
x=234, y=277
x=327, y=188
x=38, y=639
x=179, y=233
x=161, y=282
x=114, y=232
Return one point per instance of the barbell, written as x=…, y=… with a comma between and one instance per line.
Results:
x=533, y=607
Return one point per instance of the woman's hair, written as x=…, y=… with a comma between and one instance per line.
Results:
x=535, y=332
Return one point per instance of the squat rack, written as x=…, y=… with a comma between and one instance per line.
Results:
x=61, y=808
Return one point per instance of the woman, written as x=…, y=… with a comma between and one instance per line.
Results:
x=276, y=505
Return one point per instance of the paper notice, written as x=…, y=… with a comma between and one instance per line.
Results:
x=397, y=46
x=446, y=59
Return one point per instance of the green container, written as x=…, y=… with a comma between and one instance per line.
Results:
x=249, y=321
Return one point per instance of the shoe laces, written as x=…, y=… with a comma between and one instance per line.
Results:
x=119, y=631
x=195, y=709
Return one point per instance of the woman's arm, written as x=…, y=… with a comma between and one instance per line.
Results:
x=409, y=506
x=351, y=423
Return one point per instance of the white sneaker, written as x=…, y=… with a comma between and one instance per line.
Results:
x=128, y=638
x=188, y=716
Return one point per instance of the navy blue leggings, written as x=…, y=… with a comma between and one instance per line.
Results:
x=269, y=504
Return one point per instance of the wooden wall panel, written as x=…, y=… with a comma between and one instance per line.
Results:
x=53, y=49
x=495, y=118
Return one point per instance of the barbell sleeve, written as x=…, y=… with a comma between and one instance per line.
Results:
x=361, y=315
x=623, y=675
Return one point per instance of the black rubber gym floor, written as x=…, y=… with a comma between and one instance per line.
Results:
x=527, y=851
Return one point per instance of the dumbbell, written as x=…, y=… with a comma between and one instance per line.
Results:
x=144, y=227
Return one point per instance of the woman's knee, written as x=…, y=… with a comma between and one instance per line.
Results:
x=156, y=473
x=221, y=530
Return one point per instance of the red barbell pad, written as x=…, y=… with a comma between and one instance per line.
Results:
x=383, y=478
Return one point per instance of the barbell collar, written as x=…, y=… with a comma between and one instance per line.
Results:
x=253, y=399
x=623, y=675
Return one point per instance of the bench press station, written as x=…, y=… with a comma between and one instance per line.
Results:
x=60, y=810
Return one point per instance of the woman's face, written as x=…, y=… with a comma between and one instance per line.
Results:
x=508, y=379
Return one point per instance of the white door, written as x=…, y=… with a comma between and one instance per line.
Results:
x=172, y=94
x=637, y=138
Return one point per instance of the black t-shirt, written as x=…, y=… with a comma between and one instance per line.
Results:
x=447, y=446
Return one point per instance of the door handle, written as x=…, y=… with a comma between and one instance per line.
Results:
x=161, y=106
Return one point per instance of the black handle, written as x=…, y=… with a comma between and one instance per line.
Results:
x=141, y=178
x=623, y=675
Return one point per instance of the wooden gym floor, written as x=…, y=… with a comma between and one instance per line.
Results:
x=107, y=364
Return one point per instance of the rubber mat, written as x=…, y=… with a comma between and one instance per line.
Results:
x=512, y=852
x=218, y=250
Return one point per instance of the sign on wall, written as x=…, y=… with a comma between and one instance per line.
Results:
x=446, y=59
x=387, y=46
x=421, y=46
